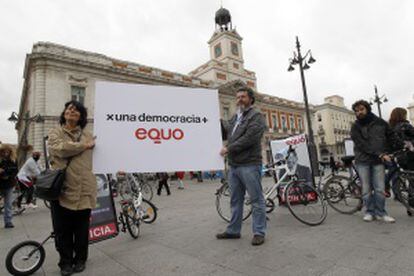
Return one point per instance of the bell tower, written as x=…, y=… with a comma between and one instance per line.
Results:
x=226, y=55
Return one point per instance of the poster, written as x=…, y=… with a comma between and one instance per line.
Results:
x=298, y=160
x=349, y=147
x=148, y=128
x=103, y=224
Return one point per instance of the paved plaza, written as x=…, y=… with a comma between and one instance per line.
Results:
x=182, y=242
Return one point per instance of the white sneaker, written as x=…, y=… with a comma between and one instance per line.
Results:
x=386, y=219
x=368, y=217
x=31, y=205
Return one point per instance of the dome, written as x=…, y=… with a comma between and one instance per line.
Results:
x=223, y=17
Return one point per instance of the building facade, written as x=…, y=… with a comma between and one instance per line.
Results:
x=332, y=126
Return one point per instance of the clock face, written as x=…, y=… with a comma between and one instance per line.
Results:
x=234, y=49
x=217, y=50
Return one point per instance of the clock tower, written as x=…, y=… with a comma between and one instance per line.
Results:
x=226, y=55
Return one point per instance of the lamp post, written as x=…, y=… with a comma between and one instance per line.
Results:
x=303, y=62
x=378, y=100
x=15, y=118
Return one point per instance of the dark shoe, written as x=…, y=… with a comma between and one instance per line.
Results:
x=258, y=240
x=225, y=235
x=79, y=267
x=66, y=270
x=9, y=225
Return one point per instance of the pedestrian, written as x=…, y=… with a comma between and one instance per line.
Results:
x=373, y=138
x=70, y=146
x=332, y=164
x=26, y=178
x=404, y=132
x=8, y=172
x=244, y=132
x=180, y=177
x=163, y=182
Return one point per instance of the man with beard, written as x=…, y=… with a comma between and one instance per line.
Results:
x=372, y=138
x=26, y=178
x=244, y=132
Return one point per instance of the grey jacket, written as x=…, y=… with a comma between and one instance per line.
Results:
x=244, y=145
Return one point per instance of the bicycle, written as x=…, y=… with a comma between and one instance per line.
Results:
x=134, y=208
x=304, y=201
x=344, y=193
x=404, y=182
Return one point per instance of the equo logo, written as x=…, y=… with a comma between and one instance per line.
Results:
x=296, y=140
x=157, y=135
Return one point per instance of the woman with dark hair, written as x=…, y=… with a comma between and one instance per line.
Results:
x=8, y=172
x=404, y=133
x=70, y=147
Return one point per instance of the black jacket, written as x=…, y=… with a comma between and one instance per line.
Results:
x=8, y=177
x=371, y=140
x=245, y=144
x=404, y=131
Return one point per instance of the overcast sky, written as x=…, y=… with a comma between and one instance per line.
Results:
x=357, y=43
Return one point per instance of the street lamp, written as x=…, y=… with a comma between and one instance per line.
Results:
x=15, y=118
x=303, y=62
x=378, y=100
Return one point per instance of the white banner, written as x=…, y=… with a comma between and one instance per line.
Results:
x=349, y=147
x=298, y=158
x=148, y=128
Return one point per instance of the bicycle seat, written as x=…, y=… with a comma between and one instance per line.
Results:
x=348, y=160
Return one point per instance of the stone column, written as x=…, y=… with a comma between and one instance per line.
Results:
x=411, y=111
x=39, y=107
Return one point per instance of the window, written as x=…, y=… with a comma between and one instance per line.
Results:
x=78, y=94
x=275, y=123
x=284, y=125
x=226, y=113
x=300, y=124
x=292, y=122
x=217, y=50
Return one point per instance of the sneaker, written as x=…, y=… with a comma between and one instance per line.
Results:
x=225, y=236
x=368, y=217
x=31, y=205
x=386, y=219
x=79, y=267
x=9, y=225
x=258, y=240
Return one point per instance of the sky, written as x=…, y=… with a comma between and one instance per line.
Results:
x=356, y=43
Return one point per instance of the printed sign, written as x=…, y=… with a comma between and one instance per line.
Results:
x=298, y=159
x=103, y=224
x=349, y=147
x=147, y=128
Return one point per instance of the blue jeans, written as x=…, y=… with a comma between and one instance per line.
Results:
x=248, y=178
x=8, y=200
x=373, y=182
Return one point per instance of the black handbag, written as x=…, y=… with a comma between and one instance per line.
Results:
x=49, y=184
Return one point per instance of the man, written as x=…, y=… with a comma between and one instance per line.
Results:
x=303, y=173
x=372, y=138
x=244, y=132
x=26, y=177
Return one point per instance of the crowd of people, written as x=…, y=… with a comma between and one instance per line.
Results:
x=71, y=146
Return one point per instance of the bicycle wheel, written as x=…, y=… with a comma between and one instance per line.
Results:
x=223, y=204
x=25, y=258
x=405, y=192
x=305, y=203
x=131, y=220
x=343, y=194
x=146, y=190
x=270, y=205
x=147, y=211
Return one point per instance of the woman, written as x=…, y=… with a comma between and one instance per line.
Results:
x=180, y=177
x=8, y=172
x=70, y=147
x=404, y=132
